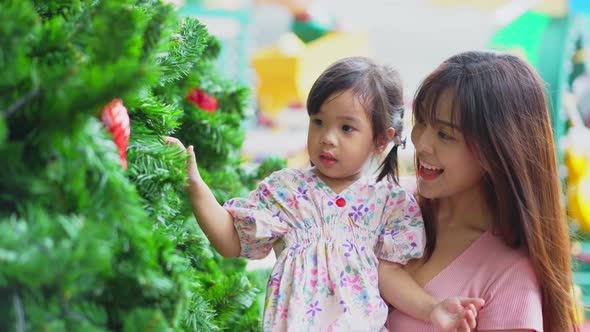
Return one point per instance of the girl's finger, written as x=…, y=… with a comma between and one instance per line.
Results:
x=470, y=319
x=456, y=307
x=473, y=309
x=464, y=326
x=191, y=152
x=465, y=301
x=173, y=140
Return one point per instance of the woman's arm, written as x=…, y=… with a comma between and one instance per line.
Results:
x=215, y=221
x=399, y=289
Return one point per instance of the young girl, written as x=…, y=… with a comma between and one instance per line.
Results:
x=489, y=189
x=329, y=225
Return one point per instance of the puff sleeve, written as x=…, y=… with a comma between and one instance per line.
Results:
x=257, y=219
x=402, y=235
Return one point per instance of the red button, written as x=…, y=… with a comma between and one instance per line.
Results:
x=340, y=202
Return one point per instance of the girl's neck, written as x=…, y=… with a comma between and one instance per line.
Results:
x=337, y=185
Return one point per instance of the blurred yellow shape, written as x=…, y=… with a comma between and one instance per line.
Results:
x=576, y=159
x=287, y=70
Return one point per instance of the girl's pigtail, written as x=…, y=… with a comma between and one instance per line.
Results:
x=389, y=167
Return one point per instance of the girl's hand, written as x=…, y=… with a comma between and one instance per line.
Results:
x=456, y=314
x=193, y=171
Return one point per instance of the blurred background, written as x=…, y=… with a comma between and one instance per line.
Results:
x=96, y=231
x=278, y=47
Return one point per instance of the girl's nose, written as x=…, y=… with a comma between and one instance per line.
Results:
x=328, y=137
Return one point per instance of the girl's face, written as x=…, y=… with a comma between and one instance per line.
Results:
x=446, y=166
x=340, y=138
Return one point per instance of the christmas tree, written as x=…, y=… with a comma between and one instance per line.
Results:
x=95, y=230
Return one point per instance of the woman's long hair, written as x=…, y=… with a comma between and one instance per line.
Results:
x=505, y=121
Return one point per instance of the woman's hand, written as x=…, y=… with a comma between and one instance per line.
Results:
x=456, y=314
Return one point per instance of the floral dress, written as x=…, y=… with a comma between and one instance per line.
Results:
x=327, y=247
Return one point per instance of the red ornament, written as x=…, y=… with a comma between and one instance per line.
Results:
x=202, y=100
x=116, y=121
x=340, y=202
x=303, y=16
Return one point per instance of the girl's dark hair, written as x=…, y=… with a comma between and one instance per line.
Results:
x=499, y=104
x=378, y=87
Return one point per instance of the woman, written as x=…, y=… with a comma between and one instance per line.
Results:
x=488, y=186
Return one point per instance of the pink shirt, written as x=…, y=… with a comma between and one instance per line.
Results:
x=489, y=269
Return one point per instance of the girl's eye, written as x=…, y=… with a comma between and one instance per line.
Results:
x=316, y=122
x=347, y=128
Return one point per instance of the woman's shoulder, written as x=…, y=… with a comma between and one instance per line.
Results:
x=501, y=265
x=510, y=288
x=494, y=251
x=507, y=252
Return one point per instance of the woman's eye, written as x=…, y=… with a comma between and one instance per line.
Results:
x=316, y=122
x=444, y=136
x=347, y=128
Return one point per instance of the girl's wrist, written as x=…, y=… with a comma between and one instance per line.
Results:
x=194, y=185
x=432, y=311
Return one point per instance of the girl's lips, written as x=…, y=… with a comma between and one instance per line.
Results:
x=327, y=162
x=327, y=155
x=327, y=159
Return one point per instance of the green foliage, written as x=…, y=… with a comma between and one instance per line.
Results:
x=84, y=244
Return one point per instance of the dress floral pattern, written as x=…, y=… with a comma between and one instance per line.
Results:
x=327, y=247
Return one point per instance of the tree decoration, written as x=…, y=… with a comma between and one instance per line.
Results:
x=116, y=121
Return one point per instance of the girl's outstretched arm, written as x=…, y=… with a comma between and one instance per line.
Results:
x=399, y=289
x=215, y=221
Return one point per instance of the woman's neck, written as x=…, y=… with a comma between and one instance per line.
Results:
x=471, y=211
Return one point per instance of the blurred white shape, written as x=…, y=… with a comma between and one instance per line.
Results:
x=509, y=12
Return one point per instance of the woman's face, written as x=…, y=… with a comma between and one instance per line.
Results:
x=446, y=166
